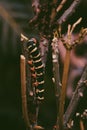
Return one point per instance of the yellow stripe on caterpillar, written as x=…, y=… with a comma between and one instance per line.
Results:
x=41, y=66
x=40, y=98
x=37, y=61
x=33, y=50
x=36, y=56
x=39, y=91
x=39, y=74
x=42, y=82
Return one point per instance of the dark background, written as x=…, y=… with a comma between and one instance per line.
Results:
x=10, y=50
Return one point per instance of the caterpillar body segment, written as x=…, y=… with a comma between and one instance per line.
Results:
x=37, y=65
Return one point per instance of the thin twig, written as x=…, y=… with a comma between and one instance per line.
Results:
x=81, y=36
x=68, y=12
x=61, y=5
x=75, y=24
x=78, y=94
x=53, y=13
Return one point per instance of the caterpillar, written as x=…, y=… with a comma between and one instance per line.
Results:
x=37, y=68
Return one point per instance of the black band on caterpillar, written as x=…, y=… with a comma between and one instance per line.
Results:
x=39, y=69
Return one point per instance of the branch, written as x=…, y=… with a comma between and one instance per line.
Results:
x=43, y=18
x=68, y=45
x=44, y=44
x=63, y=90
x=64, y=80
x=75, y=24
x=69, y=12
x=61, y=5
x=78, y=94
x=23, y=91
x=81, y=36
x=53, y=12
x=56, y=73
x=36, y=7
x=55, y=59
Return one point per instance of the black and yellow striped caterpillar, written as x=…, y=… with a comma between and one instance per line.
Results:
x=36, y=67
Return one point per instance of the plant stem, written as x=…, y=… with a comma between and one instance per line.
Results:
x=23, y=91
x=63, y=90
